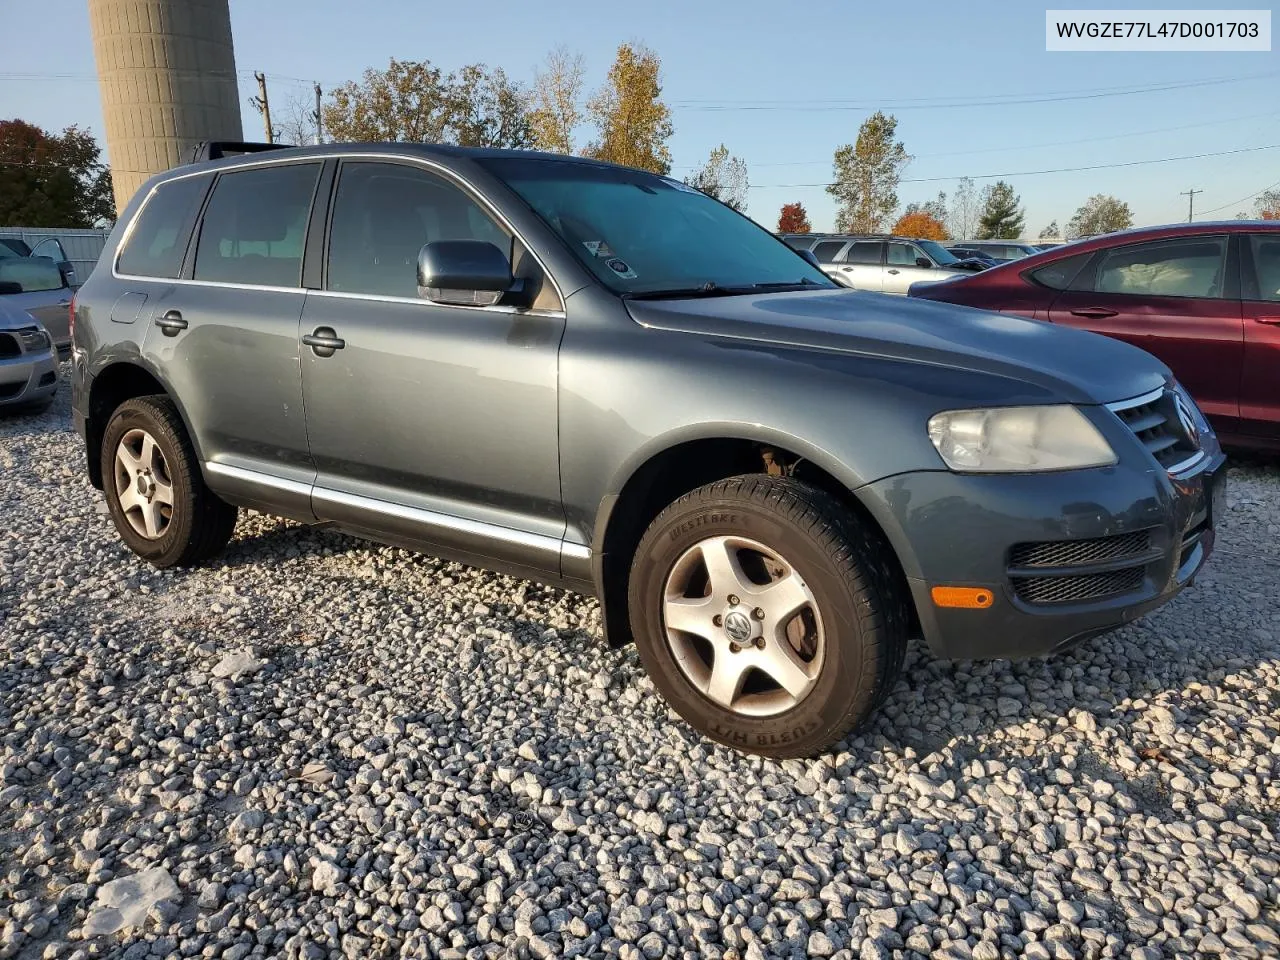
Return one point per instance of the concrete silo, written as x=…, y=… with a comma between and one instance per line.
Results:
x=167, y=74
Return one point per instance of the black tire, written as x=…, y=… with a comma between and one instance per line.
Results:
x=848, y=571
x=200, y=523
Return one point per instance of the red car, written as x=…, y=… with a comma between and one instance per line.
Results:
x=1204, y=298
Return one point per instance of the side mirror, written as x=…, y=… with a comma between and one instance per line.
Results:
x=924, y=263
x=471, y=273
x=812, y=260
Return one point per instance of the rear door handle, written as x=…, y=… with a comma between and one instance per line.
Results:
x=1273, y=321
x=324, y=341
x=1094, y=313
x=171, y=323
x=894, y=272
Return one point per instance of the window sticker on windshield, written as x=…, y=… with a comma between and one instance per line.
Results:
x=682, y=187
x=621, y=268
x=598, y=248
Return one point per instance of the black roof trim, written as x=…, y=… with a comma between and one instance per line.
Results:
x=217, y=149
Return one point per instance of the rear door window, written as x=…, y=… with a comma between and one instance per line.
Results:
x=863, y=251
x=157, y=241
x=1265, y=249
x=255, y=225
x=1182, y=267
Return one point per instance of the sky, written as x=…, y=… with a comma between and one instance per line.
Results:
x=782, y=85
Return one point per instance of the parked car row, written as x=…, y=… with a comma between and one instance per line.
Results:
x=1204, y=298
x=883, y=264
x=41, y=282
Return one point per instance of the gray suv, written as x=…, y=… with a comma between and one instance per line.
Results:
x=603, y=379
x=879, y=263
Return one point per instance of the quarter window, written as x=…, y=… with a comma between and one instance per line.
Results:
x=255, y=224
x=384, y=213
x=158, y=239
x=1183, y=267
x=1059, y=274
x=1266, y=265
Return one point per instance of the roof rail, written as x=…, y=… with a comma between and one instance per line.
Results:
x=217, y=149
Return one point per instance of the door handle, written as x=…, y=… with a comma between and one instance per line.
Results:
x=323, y=341
x=1272, y=321
x=171, y=324
x=894, y=272
x=847, y=269
x=1094, y=313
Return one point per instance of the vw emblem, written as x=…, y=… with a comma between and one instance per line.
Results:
x=737, y=626
x=1187, y=419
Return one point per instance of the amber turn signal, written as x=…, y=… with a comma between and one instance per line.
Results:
x=969, y=598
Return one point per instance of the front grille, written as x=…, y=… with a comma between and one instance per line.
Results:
x=1074, y=553
x=1155, y=422
x=1078, y=588
x=9, y=346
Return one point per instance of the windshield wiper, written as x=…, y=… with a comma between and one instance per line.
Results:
x=713, y=289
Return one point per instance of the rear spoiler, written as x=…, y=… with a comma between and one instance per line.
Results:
x=217, y=149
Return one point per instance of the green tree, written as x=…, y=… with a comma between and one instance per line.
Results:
x=723, y=177
x=487, y=110
x=866, y=176
x=52, y=180
x=633, y=125
x=415, y=102
x=1100, y=214
x=1002, y=217
x=935, y=209
x=1050, y=232
x=556, y=101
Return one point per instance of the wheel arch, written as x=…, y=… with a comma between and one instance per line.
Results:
x=668, y=468
x=111, y=386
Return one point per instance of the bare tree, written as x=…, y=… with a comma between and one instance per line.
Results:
x=556, y=106
x=963, y=219
x=723, y=177
x=294, y=120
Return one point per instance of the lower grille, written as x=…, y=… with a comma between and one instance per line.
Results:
x=48, y=378
x=1079, y=587
x=1072, y=553
x=9, y=347
x=8, y=390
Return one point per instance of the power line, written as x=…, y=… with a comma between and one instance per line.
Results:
x=1034, y=173
x=1256, y=193
x=938, y=103
x=1028, y=146
x=1191, y=202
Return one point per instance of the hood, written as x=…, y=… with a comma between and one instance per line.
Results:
x=13, y=318
x=1081, y=367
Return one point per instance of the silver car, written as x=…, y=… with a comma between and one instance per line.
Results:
x=28, y=365
x=883, y=264
x=41, y=286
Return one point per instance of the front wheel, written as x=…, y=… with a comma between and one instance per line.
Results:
x=767, y=615
x=155, y=492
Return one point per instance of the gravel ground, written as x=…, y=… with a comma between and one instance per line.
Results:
x=406, y=757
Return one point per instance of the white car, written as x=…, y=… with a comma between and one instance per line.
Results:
x=28, y=368
x=882, y=264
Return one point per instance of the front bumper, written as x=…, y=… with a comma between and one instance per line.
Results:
x=1132, y=534
x=28, y=378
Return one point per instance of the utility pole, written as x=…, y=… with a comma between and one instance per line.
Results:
x=316, y=117
x=262, y=105
x=1191, y=202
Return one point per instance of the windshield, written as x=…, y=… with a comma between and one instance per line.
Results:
x=642, y=234
x=941, y=255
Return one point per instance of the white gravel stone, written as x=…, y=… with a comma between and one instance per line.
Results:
x=429, y=760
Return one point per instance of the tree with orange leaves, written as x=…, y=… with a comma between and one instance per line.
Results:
x=919, y=225
x=793, y=219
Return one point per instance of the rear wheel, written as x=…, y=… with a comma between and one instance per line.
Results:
x=156, y=494
x=767, y=615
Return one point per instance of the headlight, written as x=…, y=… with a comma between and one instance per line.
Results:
x=1018, y=440
x=34, y=340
